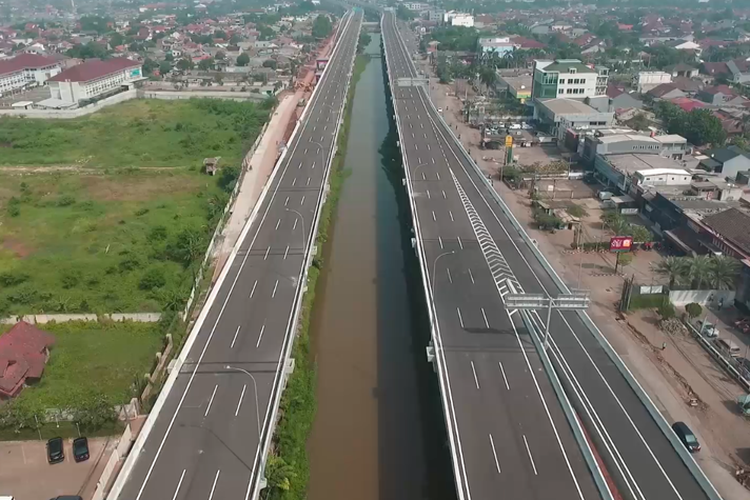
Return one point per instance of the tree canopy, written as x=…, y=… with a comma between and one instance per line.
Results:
x=243, y=59
x=698, y=126
x=322, y=26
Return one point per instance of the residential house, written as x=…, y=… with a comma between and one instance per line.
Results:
x=687, y=104
x=24, y=351
x=620, y=99
x=740, y=70
x=717, y=95
x=666, y=91
x=726, y=161
x=681, y=70
x=645, y=81
x=715, y=69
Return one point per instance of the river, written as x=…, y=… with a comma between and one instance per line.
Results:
x=378, y=431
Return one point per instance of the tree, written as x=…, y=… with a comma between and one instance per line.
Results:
x=220, y=55
x=673, y=269
x=269, y=63
x=693, y=310
x=639, y=122
x=488, y=77
x=149, y=65
x=94, y=23
x=723, y=272
x=221, y=34
x=322, y=26
x=243, y=59
x=703, y=127
x=206, y=64
x=165, y=67
x=700, y=271
x=185, y=64
x=405, y=14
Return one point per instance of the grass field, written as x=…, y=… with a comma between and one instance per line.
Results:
x=143, y=133
x=115, y=236
x=102, y=243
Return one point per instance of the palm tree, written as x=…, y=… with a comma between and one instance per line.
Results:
x=723, y=272
x=700, y=271
x=672, y=268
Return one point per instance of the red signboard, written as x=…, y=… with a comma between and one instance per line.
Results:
x=620, y=243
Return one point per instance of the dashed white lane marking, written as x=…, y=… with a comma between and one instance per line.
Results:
x=211, y=401
x=234, y=339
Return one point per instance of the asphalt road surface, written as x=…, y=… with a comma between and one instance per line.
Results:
x=508, y=432
x=205, y=442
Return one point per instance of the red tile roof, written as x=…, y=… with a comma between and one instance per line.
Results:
x=688, y=104
x=93, y=69
x=24, y=61
x=23, y=353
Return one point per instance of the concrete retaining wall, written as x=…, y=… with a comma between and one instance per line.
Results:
x=40, y=319
x=702, y=297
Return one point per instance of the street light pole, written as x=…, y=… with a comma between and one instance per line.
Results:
x=255, y=386
x=434, y=268
x=417, y=168
x=302, y=218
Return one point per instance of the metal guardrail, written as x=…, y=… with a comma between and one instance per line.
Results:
x=661, y=422
x=727, y=363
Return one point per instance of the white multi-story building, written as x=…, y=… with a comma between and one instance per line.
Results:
x=416, y=6
x=91, y=79
x=568, y=78
x=24, y=69
x=458, y=19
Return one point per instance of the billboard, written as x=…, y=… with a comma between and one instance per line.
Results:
x=620, y=243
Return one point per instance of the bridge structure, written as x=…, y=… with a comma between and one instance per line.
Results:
x=527, y=414
x=209, y=433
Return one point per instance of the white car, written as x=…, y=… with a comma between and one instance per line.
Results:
x=440, y=110
x=708, y=329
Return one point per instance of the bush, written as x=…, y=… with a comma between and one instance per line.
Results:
x=14, y=207
x=546, y=221
x=693, y=310
x=576, y=211
x=10, y=278
x=666, y=310
x=70, y=280
x=153, y=278
x=647, y=301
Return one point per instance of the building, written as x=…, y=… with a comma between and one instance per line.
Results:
x=518, y=86
x=568, y=78
x=436, y=15
x=719, y=95
x=24, y=351
x=619, y=99
x=458, y=19
x=647, y=80
x=498, y=45
x=726, y=161
x=672, y=146
x=559, y=115
x=626, y=172
x=666, y=91
x=416, y=6
x=681, y=70
x=90, y=80
x=22, y=70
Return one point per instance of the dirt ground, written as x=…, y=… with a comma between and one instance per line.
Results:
x=671, y=377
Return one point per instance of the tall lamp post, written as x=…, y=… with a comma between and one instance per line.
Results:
x=302, y=219
x=434, y=268
x=255, y=386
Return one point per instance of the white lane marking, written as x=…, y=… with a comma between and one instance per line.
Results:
x=444, y=197
x=277, y=225
x=300, y=164
x=428, y=149
x=416, y=148
x=531, y=459
x=179, y=483
x=252, y=292
x=213, y=488
x=460, y=243
x=450, y=278
x=433, y=216
x=211, y=401
x=308, y=181
x=502, y=370
x=314, y=127
x=450, y=212
x=494, y=454
x=484, y=316
x=234, y=339
x=460, y=318
x=295, y=225
x=428, y=194
x=304, y=153
x=313, y=165
x=438, y=175
x=267, y=251
x=294, y=181
x=423, y=177
x=440, y=241
x=471, y=275
x=239, y=403
x=273, y=294
x=260, y=336
x=286, y=202
x=286, y=252
x=433, y=160
x=302, y=201
x=474, y=371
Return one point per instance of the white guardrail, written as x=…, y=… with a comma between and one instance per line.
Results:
x=661, y=422
x=570, y=415
x=127, y=468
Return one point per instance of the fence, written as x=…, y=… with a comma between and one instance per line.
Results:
x=120, y=451
x=40, y=319
x=702, y=297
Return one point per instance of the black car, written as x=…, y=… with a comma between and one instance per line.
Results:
x=81, y=449
x=686, y=436
x=55, y=452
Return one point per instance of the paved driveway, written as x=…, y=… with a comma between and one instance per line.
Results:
x=26, y=475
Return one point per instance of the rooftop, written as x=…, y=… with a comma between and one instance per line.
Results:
x=565, y=65
x=94, y=69
x=23, y=353
x=632, y=163
x=733, y=225
x=24, y=61
x=562, y=106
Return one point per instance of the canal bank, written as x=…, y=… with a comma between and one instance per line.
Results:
x=378, y=432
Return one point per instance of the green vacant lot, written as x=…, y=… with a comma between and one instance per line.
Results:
x=121, y=238
x=141, y=133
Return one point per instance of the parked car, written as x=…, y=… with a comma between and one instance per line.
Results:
x=81, y=449
x=67, y=497
x=55, y=451
x=686, y=436
x=728, y=346
x=708, y=329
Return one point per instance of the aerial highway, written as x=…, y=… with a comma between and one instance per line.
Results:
x=210, y=431
x=505, y=424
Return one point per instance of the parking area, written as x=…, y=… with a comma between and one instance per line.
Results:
x=24, y=463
